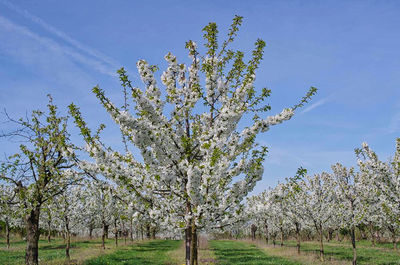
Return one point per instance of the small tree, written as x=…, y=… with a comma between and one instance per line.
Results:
x=280, y=209
x=259, y=210
x=317, y=199
x=371, y=183
x=68, y=211
x=203, y=164
x=103, y=198
x=42, y=168
x=349, y=190
x=295, y=209
x=386, y=180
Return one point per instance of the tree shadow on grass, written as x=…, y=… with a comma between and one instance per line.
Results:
x=153, y=252
x=52, y=247
x=155, y=246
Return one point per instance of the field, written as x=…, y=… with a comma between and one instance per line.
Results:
x=224, y=252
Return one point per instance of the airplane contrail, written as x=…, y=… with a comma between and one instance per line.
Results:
x=76, y=44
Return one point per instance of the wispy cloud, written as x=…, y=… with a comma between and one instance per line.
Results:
x=79, y=51
x=317, y=104
x=55, y=46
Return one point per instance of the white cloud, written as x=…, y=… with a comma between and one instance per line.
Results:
x=61, y=34
x=316, y=104
x=10, y=27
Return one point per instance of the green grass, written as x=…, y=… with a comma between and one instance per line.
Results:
x=361, y=243
x=53, y=252
x=152, y=252
x=368, y=243
x=366, y=254
x=16, y=254
x=226, y=252
x=235, y=252
x=14, y=257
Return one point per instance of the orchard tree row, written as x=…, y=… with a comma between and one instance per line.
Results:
x=190, y=153
x=347, y=199
x=90, y=209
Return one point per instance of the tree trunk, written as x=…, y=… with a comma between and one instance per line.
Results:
x=308, y=235
x=91, y=229
x=266, y=233
x=148, y=232
x=321, y=245
x=116, y=232
x=394, y=239
x=7, y=233
x=281, y=228
x=131, y=230
x=188, y=239
x=153, y=233
x=353, y=243
x=193, y=245
x=392, y=229
x=32, y=236
x=330, y=234
x=68, y=237
x=371, y=230
x=49, y=231
x=103, y=236
x=68, y=247
x=298, y=237
x=253, y=231
x=106, y=230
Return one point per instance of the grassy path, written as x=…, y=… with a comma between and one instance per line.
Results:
x=235, y=252
x=152, y=252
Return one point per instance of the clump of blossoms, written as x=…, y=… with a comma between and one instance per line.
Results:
x=201, y=163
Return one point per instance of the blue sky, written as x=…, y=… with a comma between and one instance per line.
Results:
x=349, y=50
